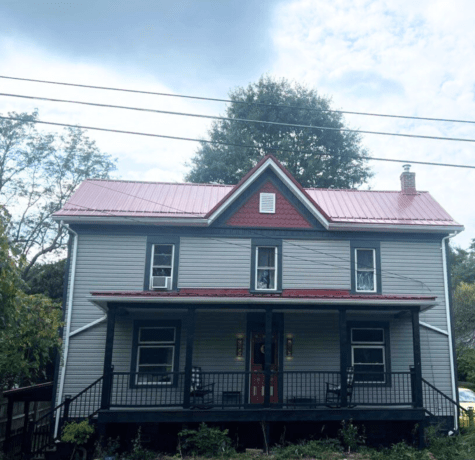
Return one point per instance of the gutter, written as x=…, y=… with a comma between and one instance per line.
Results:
x=449, y=321
x=67, y=334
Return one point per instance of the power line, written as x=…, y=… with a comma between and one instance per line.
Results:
x=243, y=120
x=163, y=136
x=211, y=99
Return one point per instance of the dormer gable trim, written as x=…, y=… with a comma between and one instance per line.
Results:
x=272, y=163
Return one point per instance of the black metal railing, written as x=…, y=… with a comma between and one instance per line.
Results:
x=289, y=389
x=44, y=431
x=383, y=389
x=438, y=404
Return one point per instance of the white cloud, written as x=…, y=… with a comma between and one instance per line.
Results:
x=405, y=57
x=140, y=158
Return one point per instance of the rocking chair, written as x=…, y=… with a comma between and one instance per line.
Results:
x=333, y=393
x=202, y=396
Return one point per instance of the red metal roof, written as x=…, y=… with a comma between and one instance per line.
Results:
x=373, y=207
x=244, y=293
x=114, y=198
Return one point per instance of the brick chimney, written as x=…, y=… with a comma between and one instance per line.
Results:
x=408, y=181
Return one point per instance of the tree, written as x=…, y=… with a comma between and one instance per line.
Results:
x=47, y=279
x=462, y=263
x=28, y=324
x=464, y=314
x=38, y=174
x=315, y=157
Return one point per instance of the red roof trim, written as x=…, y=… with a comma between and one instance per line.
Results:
x=286, y=294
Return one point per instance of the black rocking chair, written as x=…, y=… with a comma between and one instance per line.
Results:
x=333, y=393
x=202, y=396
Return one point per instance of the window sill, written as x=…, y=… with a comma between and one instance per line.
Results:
x=265, y=291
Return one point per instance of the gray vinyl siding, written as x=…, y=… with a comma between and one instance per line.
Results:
x=321, y=264
x=417, y=268
x=104, y=262
x=214, y=263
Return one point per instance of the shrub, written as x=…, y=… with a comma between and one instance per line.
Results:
x=77, y=434
x=138, y=451
x=350, y=437
x=309, y=449
x=206, y=441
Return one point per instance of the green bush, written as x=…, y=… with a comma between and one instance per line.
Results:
x=138, y=451
x=350, y=436
x=309, y=449
x=206, y=441
x=77, y=433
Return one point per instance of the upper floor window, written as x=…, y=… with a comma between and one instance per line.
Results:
x=365, y=270
x=266, y=268
x=161, y=271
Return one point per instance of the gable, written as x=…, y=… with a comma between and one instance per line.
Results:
x=286, y=215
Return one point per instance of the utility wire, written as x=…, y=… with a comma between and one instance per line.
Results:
x=245, y=120
x=311, y=109
x=163, y=136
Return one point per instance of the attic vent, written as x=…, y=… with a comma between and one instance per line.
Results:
x=267, y=203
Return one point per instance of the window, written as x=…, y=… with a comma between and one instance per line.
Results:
x=161, y=272
x=266, y=268
x=267, y=203
x=369, y=353
x=155, y=352
x=365, y=270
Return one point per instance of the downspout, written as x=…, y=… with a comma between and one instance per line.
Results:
x=67, y=333
x=449, y=321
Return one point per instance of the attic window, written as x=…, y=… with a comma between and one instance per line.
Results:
x=267, y=203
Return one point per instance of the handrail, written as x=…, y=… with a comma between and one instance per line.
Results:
x=41, y=432
x=455, y=403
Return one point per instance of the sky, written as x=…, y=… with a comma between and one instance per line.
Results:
x=381, y=56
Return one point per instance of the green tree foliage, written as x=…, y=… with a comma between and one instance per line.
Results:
x=38, y=174
x=318, y=158
x=466, y=364
x=462, y=263
x=464, y=314
x=47, y=279
x=28, y=325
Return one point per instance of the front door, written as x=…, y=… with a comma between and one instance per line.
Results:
x=258, y=356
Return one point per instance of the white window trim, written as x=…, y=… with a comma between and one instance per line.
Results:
x=152, y=266
x=375, y=286
x=276, y=254
x=154, y=344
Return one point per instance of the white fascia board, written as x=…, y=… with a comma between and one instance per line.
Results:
x=295, y=190
x=393, y=228
x=102, y=301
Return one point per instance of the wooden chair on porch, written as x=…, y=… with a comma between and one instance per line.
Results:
x=202, y=396
x=333, y=392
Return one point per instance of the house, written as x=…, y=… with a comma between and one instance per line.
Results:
x=262, y=301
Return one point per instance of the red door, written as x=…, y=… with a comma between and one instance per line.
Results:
x=257, y=392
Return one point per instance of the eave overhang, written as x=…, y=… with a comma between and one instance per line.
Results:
x=103, y=298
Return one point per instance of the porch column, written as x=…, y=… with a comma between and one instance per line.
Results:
x=416, y=344
x=268, y=357
x=107, y=371
x=343, y=358
x=190, y=339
